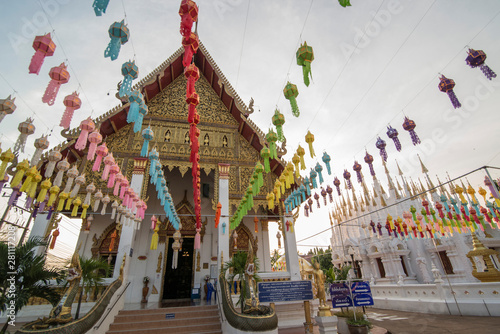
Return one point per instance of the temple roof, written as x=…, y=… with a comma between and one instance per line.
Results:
x=155, y=82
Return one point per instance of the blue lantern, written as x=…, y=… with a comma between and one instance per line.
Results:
x=313, y=175
x=326, y=159
x=100, y=6
x=308, y=187
x=119, y=34
x=153, y=157
x=148, y=135
x=143, y=110
x=136, y=99
x=319, y=169
x=129, y=72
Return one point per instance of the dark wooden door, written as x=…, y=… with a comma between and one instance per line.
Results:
x=178, y=282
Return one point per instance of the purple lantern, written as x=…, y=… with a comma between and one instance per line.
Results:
x=357, y=169
x=347, y=176
x=446, y=85
x=336, y=183
x=393, y=134
x=381, y=146
x=476, y=58
x=369, y=161
x=409, y=126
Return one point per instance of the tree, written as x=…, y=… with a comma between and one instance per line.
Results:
x=335, y=274
x=93, y=273
x=24, y=275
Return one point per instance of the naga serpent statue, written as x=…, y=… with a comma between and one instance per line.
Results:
x=60, y=320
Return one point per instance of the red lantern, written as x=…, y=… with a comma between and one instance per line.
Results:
x=192, y=74
x=44, y=47
x=189, y=14
x=72, y=103
x=59, y=76
x=191, y=44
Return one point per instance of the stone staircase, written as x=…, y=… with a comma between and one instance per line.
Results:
x=291, y=314
x=189, y=319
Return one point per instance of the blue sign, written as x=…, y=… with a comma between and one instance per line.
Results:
x=360, y=291
x=169, y=315
x=285, y=291
x=341, y=295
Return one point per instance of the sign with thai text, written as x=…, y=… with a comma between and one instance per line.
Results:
x=285, y=291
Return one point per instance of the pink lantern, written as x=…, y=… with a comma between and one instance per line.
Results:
x=59, y=76
x=108, y=162
x=95, y=138
x=118, y=181
x=112, y=175
x=72, y=103
x=86, y=126
x=101, y=152
x=44, y=47
x=124, y=186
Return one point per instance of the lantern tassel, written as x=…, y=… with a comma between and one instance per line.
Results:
x=138, y=122
x=295, y=107
x=113, y=49
x=453, y=99
x=145, y=148
x=55, y=234
x=51, y=91
x=133, y=112
x=100, y=6
x=279, y=132
x=414, y=138
x=20, y=143
x=37, y=62
x=197, y=239
x=306, y=71
x=66, y=117
x=81, y=143
x=488, y=72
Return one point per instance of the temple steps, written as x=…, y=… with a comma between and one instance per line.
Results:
x=189, y=319
x=291, y=314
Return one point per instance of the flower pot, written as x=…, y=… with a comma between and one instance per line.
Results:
x=357, y=329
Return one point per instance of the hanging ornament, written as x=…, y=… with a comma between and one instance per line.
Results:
x=291, y=92
x=271, y=138
x=44, y=188
x=101, y=152
x=347, y=176
x=97, y=200
x=148, y=135
x=6, y=157
x=72, y=174
x=409, y=126
x=446, y=85
x=190, y=43
x=95, y=138
x=41, y=144
x=54, y=157
x=476, y=58
x=329, y=190
x=192, y=74
x=296, y=162
x=44, y=47
x=130, y=72
x=301, y=152
x=357, y=169
x=113, y=172
x=62, y=166
x=305, y=56
x=86, y=126
x=7, y=107
x=143, y=110
x=26, y=129
x=336, y=183
x=136, y=99
x=393, y=134
x=108, y=162
x=278, y=121
x=345, y=3
x=380, y=144
x=326, y=159
x=369, y=161
x=99, y=8
x=310, y=140
x=76, y=205
x=189, y=14
x=312, y=176
x=119, y=34
x=59, y=75
x=105, y=202
x=319, y=169
x=72, y=103
x=55, y=234
x=79, y=182
x=265, y=153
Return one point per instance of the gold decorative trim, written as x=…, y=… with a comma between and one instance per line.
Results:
x=140, y=165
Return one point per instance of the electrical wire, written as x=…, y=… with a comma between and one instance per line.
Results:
x=242, y=44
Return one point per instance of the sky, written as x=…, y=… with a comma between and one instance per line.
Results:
x=375, y=62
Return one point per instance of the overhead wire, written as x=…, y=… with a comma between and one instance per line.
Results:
x=242, y=45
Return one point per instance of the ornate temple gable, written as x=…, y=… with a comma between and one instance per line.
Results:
x=245, y=237
x=101, y=245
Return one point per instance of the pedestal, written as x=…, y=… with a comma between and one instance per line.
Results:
x=327, y=325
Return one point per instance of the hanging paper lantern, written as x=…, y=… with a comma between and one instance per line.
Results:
x=79, y=182
x=265, y=153
x=189, y=14
x=59, y=75
x=190, y=43
x=278, y=121
x=312, y=175
x=41, y=144
x=62, y=166
x=25, y=128
x=95, y=138
x=296, y=162
x=71, y=175
x=54, y=157
x=192, y=74
x=271, y=138
x=44, y=47
x=99, y=8
x=72, y=103
x=446, y=85
x=101, y=152
x=347, y=176
x=329, y=190
x=305, y=56
x=291, y=92
x=136, y=100
x=380, y=144
x=143, y=110
x=319, y=169
x=108, y=162
x=476, y=58
x=130, y=72
x=301, y=152
x=97, y=200
x=409, y=126
x=105, y=202
x=369, y=161
x=336, y=183
x=86, y=126
x=357, y=169
x=113, y=172
x=192, y=101
x=310, y=140
x=119, y=34
x=393, y=134
x=7, y=107
x=345, y=3
x=148, y=135
x=6, y=157
x=326, y=159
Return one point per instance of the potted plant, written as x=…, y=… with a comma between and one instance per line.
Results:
x=359, y=326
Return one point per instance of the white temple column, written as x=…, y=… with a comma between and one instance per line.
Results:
x=265, y=246
x=223, y=233
x=128, y=232
x=39, y=229
x=291, y=255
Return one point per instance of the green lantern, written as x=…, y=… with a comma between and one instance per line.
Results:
x=272, y=138
x=278, y=121
x=265, y=153
x=291, y=92
x=259, y=169
x=305, y=56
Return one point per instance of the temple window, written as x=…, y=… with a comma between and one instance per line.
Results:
x=445, y=260
x=403, y=264
x=381, y=268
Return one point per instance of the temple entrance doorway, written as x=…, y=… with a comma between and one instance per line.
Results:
x=178, y=282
